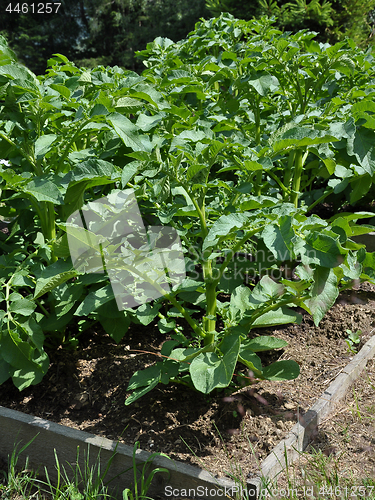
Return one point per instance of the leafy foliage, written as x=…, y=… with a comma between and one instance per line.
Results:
x=231, y=137
x=333, y=21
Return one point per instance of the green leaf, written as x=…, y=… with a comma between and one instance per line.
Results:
x=151, y=95
x=222, y=227
x=278, y=238
x=31, y=373
x=24, y=307
x=360, y=186
x=33, y=330
x=128, y=172
x=300, y=137
x=262, y=82
x=117, y=327
x=138, y=393
x=61, y=89
x=91, y=169
x=280, y=316
x=146, y=313
x=146, y=123
x=43, y=145
x=14, y=350
x=162, y=189
x=129, y=105
x=248, y=357
x=239, y=302
x=323, y=293
x=129, y=133
x=361, y=109
x=362, y=146
x=282, y=370
x=145, y=377
x=263, y=343
x=4, y=371
x=18, y=72
x=44, y=285
x=95, y=300
x=209, y=371
x=44, y=190
x=322, y=249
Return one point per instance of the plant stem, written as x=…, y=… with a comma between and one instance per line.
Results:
x=69, y=145
x=209, y=324
x=297, y=177
x=297, y=301
x=288, y=172
x=29, y=158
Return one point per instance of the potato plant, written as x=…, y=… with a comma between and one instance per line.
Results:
x=233, y=150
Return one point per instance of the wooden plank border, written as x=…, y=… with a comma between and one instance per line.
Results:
x=17, y=427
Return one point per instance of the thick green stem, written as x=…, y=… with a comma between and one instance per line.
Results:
x=258, y=183
x=288, y=172
x=185, y=314
x=209, y=324
x=285, y=189
x=297, y=177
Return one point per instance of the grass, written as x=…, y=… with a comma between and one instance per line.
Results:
x=75, y=483
x=320, y=479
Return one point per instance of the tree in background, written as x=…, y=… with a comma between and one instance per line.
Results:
x=333, y=20
x=109, y=32
x=355, y=19
x=36, y=36
x=121, y=27
x=93, y=32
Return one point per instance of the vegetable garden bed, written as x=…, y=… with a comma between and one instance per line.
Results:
x=176, y=216
x=19, y=427
x=223, y=435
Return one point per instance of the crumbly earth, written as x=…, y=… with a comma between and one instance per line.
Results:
x=86, y=389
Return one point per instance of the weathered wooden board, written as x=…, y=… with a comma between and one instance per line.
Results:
x=17, y=427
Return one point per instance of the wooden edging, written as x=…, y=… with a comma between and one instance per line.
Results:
x=182, y=480
x=299, y=437
x=17, y=428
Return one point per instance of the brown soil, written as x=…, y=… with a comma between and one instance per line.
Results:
x=86, y=389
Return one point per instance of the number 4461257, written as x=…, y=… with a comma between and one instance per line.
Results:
x=33, y=8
